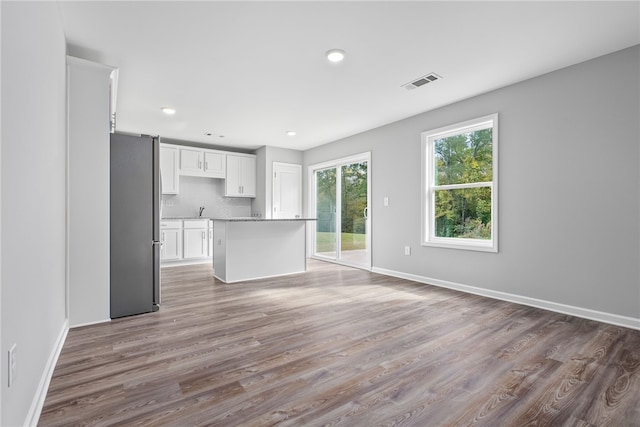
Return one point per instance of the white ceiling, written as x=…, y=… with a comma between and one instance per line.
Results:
x=253, y=70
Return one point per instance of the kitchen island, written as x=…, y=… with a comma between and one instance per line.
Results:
x=255, y=248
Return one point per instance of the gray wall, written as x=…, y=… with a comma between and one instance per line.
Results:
x=207, y=192
x=569, y=188
x=33, y=197
x=259, y=203
x=265, y=157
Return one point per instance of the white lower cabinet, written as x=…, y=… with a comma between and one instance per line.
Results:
x=188, y=239
x=210, y=252
x=171, y=240
x=195, y=243
x=196, y=239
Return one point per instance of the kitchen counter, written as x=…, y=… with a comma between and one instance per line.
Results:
x=239, y=218
x=254, y=248
x=169, y=218
x=255, y=219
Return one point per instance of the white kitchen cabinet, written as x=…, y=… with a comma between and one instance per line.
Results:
x=171, y=240
x=195, y=238
x=200, y=162
x=210, y=230
x=191, y=161
x=215, y=164
x=169, y=169
x=241, y=175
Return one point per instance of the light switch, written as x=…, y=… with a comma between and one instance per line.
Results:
x=386, y=201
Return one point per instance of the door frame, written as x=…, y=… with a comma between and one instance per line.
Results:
x=311, y=237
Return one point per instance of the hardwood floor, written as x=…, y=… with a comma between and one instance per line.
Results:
x=338, y=346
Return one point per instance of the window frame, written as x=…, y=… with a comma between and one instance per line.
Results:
x=429, y=188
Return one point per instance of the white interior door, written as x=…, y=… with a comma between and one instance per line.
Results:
x=287, y=190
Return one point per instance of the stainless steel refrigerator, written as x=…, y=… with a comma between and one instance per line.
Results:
x=135, y=224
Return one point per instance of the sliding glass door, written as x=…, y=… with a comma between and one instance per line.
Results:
x=341, y=199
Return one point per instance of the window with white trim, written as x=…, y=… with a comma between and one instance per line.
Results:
x=460, y=191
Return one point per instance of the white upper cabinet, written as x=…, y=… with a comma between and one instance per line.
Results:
x=241, y=175
x=176, y=160
x=190, y=161
x=215, y=164
x=169, y=169
x=201, y=162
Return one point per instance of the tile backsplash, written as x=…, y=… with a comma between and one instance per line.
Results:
x=207, y=192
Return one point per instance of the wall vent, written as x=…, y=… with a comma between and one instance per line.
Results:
x=431, y=77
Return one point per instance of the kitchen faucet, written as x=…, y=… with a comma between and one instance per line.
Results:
x=201, y=209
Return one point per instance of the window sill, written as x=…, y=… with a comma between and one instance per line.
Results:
x=469, y=245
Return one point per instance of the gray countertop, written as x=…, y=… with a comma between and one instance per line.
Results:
x=238, y=219
x=249, y=219
x=169, y=218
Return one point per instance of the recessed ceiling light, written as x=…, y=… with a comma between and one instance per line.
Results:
x=211, y=134
x=291, y=132
x=168, y=110
x=335, y=55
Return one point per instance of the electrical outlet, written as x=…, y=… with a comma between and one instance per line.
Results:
x=12, y=364
x=407, y=250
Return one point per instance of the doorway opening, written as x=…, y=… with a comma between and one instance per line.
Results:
x=340, y=198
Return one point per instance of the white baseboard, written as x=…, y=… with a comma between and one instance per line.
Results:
x=183, y=262
x=41, y=393
x=95, y=322
x=258, y=277
x=600, y=316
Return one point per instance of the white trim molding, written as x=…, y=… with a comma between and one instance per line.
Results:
x=429, y=186
x=43, y=386
x=95, y=322
x=311, y=205
x=585, y=313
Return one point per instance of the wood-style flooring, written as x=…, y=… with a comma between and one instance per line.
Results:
x=339, y=346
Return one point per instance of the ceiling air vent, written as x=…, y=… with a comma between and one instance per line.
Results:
x=431, y=77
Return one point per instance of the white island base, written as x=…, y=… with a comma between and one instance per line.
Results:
x=247, y=249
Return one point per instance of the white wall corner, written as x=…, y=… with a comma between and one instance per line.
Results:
x=88, y=155
x=43, y=386
x=614, y=319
